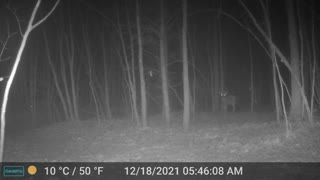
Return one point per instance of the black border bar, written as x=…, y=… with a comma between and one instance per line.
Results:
x=166, y=170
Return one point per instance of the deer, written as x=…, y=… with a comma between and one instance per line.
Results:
x=227, y=100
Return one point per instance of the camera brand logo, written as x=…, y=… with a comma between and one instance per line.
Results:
x=13, y=171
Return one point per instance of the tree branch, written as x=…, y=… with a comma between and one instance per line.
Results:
x=45, y=17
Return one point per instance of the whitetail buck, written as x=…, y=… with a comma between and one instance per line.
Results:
x=227, y=100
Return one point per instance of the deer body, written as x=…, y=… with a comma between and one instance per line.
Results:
x=228, y=100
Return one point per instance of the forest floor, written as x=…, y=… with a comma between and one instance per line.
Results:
x=238, y=137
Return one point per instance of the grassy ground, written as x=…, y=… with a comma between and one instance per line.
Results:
x=235, y=137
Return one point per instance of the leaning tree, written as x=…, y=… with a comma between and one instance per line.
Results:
x=30, y=27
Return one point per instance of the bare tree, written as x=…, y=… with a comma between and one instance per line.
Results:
x=56, y=80
x=195, y=82
x=252, y=90
x=106, y=79
x=129, y=70
x=296, y=100
x=185, y=73
x=275, y=71
x=220, y=49
x=294, y=71
x=32, y=87
x=143, y=92
x=214, y=63
x=67, y=82
x=132, y=73
x=315, y=77
x=72, y=71
x=31, y=26
x=91, y=75
x=164, y=64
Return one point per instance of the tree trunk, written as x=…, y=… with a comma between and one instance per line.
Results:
x=214, y=67
x=130, y=79
x=31, y=26
x=133, y=72
x=141, y=71
x=57, y=85
x=277, y=102
x=296, y=100
x=164, y=65
x=220, y=50
x=252, y=90
x=186, y=86
x=106, y=81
